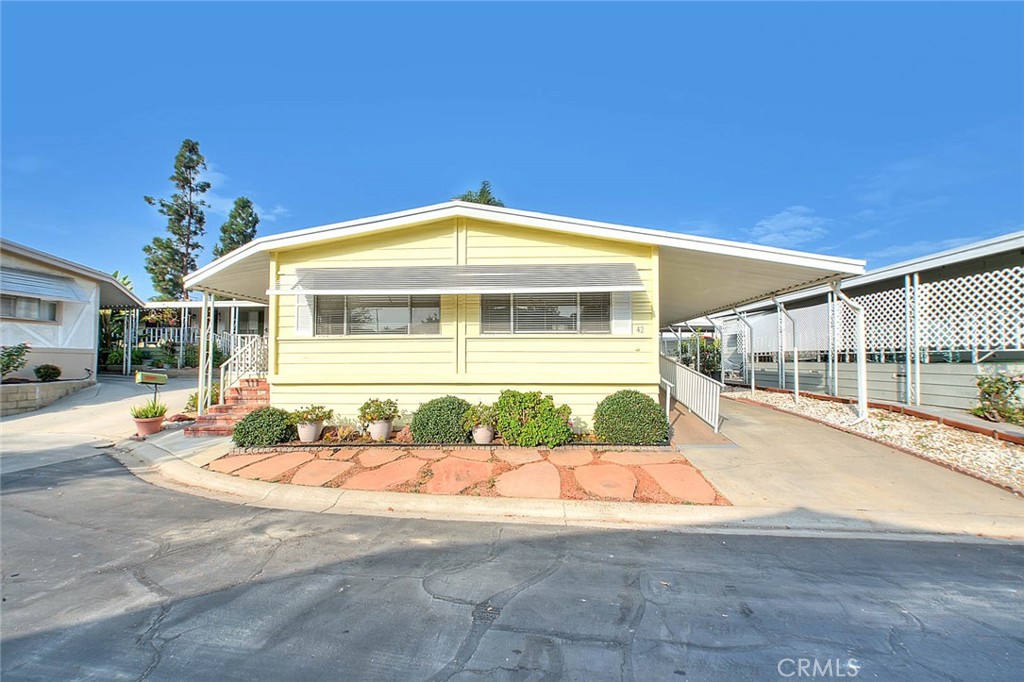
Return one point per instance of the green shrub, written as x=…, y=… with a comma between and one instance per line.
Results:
x=192, y=356
x=150, y=409
x=47, y=372
x=13, y=358
x=480, y=414
x=999, y=397
x=532, y=419
x=263, y=427
x=440, y=421
x=630, y=418
x=311, y=414
x=376, y=410
x=192, y=403
x=116, y=356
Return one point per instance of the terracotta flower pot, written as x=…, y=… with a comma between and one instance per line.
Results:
x=149, y=427
x=310, y=433
x=380, y=430
x=483, y=435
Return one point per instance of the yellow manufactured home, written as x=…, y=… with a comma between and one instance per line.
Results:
x=468, y=300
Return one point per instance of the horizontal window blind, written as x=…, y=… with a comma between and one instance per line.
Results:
x=588, y=313
x=495, y=314
x=544, y=313
x=595, y=313
x=363, y=315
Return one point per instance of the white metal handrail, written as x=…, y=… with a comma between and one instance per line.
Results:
x=698, y=392
x=248, y=361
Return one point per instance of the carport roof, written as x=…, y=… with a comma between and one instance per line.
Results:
x=698, y=275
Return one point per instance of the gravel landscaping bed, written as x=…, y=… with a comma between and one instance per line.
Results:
x=977, y=454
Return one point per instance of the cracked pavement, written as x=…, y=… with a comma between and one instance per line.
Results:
x=106, y=577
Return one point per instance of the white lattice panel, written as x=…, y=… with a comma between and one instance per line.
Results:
x=885, y=321
x=984, y=311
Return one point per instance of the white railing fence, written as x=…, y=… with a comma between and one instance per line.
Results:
x=248, y=360
x=154, y=336
x=698, y=392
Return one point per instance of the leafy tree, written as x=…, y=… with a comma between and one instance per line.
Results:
x=169, y=259
x=481, y=196
x=238, y=229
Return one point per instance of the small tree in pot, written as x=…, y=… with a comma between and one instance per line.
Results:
x=310, y=421
x=480, y=420
x=378, y=415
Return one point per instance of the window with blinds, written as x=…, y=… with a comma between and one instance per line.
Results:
x=586, y=313
x=23, y=308
x=387, y=315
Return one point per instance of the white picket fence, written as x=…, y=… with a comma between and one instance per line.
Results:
x=699, y=393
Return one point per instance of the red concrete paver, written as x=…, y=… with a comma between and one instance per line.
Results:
x=226, y=465
x=570, y=458
x=390, y=474
x=430, y=453
x=475, y=454
x=374, y=458
x=320, y=471
x=273, y=467
x=640, y=457
x=538, y=480
x=453, y=475
x=517, y=456
x=607, y=480
x=682, y=481
x=345, y=453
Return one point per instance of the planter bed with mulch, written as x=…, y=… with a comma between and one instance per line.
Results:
x=998, y=462
x=569, y=473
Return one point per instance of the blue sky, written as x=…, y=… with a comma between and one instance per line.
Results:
x=879, y=130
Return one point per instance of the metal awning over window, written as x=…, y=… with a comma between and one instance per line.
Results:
x=40, y=285
x=462, y=279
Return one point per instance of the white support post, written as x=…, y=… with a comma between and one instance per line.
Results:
x=780, y=344
x=862, y=353
x=908, y=341
x=183, y=339
x=750, y=345
x=212, y=330
x=796, y=351
x=203, y=351
x=694, y=336
x=917, y=338
x=679, y=341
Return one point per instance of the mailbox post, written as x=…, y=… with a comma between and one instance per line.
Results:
x=154, y=379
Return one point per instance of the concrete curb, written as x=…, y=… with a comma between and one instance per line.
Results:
x=166, y=469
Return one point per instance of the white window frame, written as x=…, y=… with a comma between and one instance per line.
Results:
x=345, y=332
x=578, y=331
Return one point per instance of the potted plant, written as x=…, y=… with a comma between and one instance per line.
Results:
x=310, y=421
x=480, y=419
x=378, y=415
x=149, y=417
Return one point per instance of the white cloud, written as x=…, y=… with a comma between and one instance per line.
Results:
x=220, y=204
x=789, y=228
x=919, y=248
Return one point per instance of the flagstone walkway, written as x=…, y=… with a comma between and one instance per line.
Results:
x=639, y=476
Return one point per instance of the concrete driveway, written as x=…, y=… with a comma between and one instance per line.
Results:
x=75, y=426
x=786, y=461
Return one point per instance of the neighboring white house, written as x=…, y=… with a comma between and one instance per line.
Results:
x=53, y=305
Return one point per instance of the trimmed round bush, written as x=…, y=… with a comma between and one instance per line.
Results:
x=531, y=419
x=47, y=372
x=440, y=421
x=263, y=427
x=630, y=418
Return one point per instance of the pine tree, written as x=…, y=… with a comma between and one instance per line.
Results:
x=481, y=196
x=169, y=259
x=238, y=229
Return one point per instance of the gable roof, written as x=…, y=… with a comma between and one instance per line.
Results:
x=113, y=294
x=698, y=274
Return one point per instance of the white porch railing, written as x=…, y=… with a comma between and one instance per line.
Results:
x=153, y=336
x=698, y=392
x=248, y=361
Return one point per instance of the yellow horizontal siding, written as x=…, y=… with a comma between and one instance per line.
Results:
x=580, y=370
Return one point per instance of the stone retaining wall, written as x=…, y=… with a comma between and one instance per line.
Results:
x=18, y=398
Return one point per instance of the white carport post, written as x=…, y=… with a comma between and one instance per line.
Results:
x=750, y=345
x=796, y=351
x=206, y=341
x=183, y=340
x=695, y=337
x=862, y=353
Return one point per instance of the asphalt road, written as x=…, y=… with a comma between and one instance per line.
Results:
x=106, y=577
